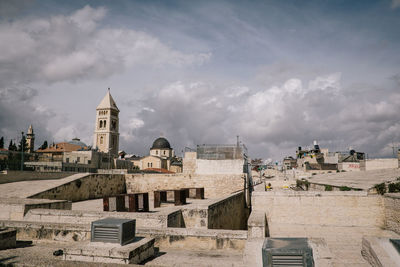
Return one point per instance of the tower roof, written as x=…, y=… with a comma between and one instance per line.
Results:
x=107, y=102
x=30, y=130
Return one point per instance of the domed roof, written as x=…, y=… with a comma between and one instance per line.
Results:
x=77, y=141
x=161, y=143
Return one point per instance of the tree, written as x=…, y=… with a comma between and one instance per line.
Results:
x=23, y=145
x=44, y=146
x=2, y=142
x=12, y=146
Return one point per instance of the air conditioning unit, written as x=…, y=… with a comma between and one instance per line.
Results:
x=113, y=230
x=293, y=252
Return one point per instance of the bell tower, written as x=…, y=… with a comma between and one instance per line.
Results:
x=106, y=133
x=30, y=140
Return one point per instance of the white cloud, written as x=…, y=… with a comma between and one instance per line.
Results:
x=395, y=4
x=78, y=46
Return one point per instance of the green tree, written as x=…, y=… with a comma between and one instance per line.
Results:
x=2, y=142
x=45, y=145
x=23, y=145
x=12, y=146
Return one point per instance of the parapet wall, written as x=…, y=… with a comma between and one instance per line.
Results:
x=377, y=164
x=321, y=208
x=392, y=212
x=88, y=187
x=228, y=213
x=215, y=186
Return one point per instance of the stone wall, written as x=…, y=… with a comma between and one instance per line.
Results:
x=161, y=219
x=321, y=208
x=349, y=166
x=392, y=211
x=196, y=239
x=215, y=186
x=231, y=166
x=229, y=213
x=89, y=187
x=377, y=164
x=15, y=209
x=18, y=176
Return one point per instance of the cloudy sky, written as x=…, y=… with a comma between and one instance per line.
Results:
x=277, y=73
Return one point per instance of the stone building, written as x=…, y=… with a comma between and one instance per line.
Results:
x=161, y=156
x=30, y=140
x=106, y=134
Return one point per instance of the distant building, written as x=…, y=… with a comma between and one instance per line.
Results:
x=217, y=159
x=106, y=133
x=161, y=156
x=289, y=163
x=30, y=140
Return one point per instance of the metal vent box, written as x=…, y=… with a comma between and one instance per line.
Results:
x=113, y=230
x=287, y=252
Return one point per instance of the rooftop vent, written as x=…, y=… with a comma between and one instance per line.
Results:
x=294, y=252
x=113, y=230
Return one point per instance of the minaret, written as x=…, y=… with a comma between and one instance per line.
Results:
x=30, y=140
x=106, y=135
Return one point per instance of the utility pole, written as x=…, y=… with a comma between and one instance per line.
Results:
x=22, y=151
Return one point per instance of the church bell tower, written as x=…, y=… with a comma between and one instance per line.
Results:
x=106, y=133
x=30, y=140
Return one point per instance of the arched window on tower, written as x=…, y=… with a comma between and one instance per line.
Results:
x=101, y=140
x=101, y=124
x=105, y=122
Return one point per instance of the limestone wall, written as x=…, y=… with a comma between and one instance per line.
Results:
x=321, y=208
x=215, y=186
x=392, y=212
x=377, y=164
x=232, y=166
x=349, y=166
x=228, y=213
x=163, y=219
x=89, y=187
x=15, y=209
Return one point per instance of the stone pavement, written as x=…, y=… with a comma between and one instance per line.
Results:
x=30, y=188
x=356, y=179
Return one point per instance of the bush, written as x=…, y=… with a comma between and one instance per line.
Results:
x=328, y=187
x=344, y=188
x=394, y=187
x=380, y=188
x=301, y=183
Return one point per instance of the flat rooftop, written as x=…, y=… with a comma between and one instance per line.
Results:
x=357, y=179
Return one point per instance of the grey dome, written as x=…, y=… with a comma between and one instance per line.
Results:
x=161, y=143
x=78, y=142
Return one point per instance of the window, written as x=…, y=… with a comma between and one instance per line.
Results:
x=101, y=140
x=101, y=124
x=164, y=152
x=78, y=159
x=89, y=161
x=67, y=160
x=151, y=164
x=105, y=122
x=156, y=152
x=148, y=164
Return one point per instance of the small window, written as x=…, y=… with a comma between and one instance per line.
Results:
x=164, y=152
x=78, y=159
x=101, y=140
x=66, y=160
x=101, y=124
x=105, y=123
x=89, y=161
x=156, y=152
